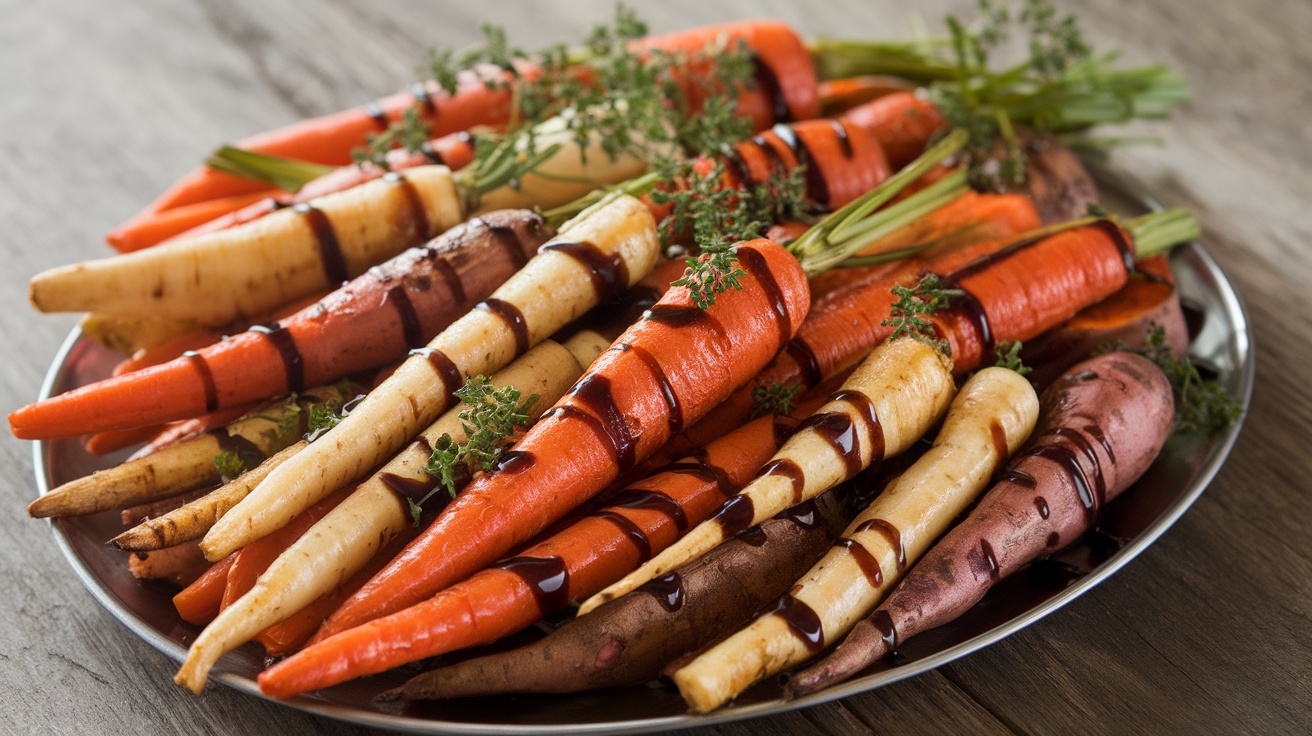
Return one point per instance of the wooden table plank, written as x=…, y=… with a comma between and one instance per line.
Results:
x=1208, y=631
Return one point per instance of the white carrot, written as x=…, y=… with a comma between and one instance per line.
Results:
x=247, y=270
x=346, y=538
x=989, y=419
x=595, y=256
x=888, y=403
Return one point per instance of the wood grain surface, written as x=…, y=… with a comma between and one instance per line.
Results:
x=1208, y=631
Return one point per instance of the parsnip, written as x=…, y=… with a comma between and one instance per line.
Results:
x=906, y=384
x=127, y=335
x=191, y=520
x=619, y=246
x=989, y=419
x=219, y=277
x=348, y=536
x=177, y=467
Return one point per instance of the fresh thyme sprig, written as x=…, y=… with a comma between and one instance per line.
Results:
x=1200, y=405
x=491, y=417
x=230, y=465
x=773, y=399
x=914, y=305
x=409, y=133
x=1009, y=358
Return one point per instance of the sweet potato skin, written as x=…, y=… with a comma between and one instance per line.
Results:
x=630, y=639
x=1101, y=425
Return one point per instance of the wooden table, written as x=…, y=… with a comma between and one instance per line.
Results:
x=1206, y=632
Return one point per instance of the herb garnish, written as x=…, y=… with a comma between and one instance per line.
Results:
x=914, y=305
x=773, y=399
x=230, y=465
x=1200, y=405
x=409, y=133
x=1009, y=358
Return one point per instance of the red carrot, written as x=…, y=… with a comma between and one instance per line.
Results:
x=572, y=564
x=1102, y=425
x=372, y=320
x=665, y=371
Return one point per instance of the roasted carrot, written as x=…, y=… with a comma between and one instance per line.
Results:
x=199, y=602
x=903, y=121
x=1102, y=425
x=378, y=510
x=840, y=95
x=371, y=320
x=629, y=640
x=679, y=361
x=785, y=90
x=515, y=592
x=594, y=257
x=159, y=227
x=990, y=417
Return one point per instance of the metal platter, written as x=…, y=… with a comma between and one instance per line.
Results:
x=1222, y=342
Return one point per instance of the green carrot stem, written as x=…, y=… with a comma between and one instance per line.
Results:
x=288, y=174
x=916, y=61
x=635, y=187
x=1159, y=231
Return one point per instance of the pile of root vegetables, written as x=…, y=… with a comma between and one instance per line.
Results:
x=412, y=405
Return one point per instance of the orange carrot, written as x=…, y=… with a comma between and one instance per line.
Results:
x=845, y=322
x=372, y=320
x=665, y=371
x=256, y=557
x=904, y=122
x=199, y=602
x=104, y=443
x=840, y=95
x=784, y=90
x=572, y=564
x=144, y=231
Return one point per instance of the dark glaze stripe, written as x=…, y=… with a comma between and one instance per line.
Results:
x=375, y=111
x=546, y=577
x=508, y=238
x=610, y=277
x=1041, y=504
x=642, y=499
x=865, y=409
x=1096, y=433
x=1083, y=445
x=593, y=391
x=985, y=262
x=423, y=99
x=1000, y=449
x=414, y=489
x=330, y=250
x=788, y=469
x=678, y=317
x=514, y=461
x=754, y=263
x=663, y=381
x=844, y=143
x=734, y=515
x=292, y=363
x=990, y=560
x=1066, y=459
x=803, y=622
x=817, y=190
x=734, y=160
x=206, y=377
x=890, y=534
x=804, y=356
x=418, y=213
x=970, y=307
x=405, y=311
x=444, y=367
x=513, y=318
x=838, y=430
x=703, y=472
x=1019, y=477
x=1115, y=234
x=431, y=154
x=451, y=278
x=631, y=531
x=866, y=561
x=777, y=162
x=768, y=84
x=668, y=591
x=883, y=622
